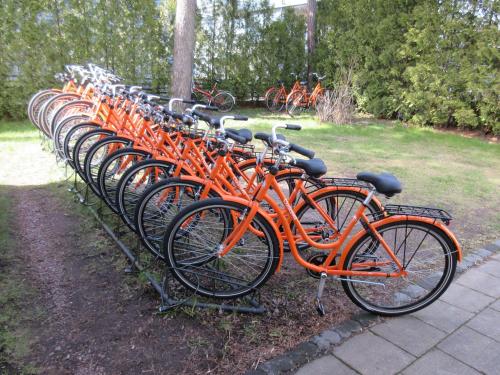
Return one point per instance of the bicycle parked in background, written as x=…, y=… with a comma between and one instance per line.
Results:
x=300, y=99
x=221, y=99
x=275, y=96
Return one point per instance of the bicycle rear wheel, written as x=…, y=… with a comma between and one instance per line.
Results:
x=340, y=205
x=194, y=238
x=426, y=253
x=224, y=101
x=278, y=101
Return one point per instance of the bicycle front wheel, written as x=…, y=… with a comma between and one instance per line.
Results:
x=426, y=253
x=195, y=236
x=159, y=204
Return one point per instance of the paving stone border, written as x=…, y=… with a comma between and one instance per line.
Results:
x=324, y=342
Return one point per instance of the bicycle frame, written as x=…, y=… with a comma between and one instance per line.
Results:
x=208, y=94
x=333, y=248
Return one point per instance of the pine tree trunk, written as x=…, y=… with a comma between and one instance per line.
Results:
x=312, y=8
x=184, y=38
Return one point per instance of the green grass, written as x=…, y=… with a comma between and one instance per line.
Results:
x=439, y=169
x=436, y=168
x=22, y=160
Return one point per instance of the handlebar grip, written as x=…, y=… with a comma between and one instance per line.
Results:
x=293, y=127
x=202, y=115
x=186, y=101
x=240, y=118
x=301, y=150
x=211, y=108
x=261, y=136
x=266, y=137
x=165, y=98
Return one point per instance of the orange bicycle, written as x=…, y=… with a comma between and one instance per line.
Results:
x=275, y=96
x=300, y=100
x=402, y=259
x=221, y=99
x=157, y=206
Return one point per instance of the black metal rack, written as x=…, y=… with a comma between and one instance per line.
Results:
x=249, y=305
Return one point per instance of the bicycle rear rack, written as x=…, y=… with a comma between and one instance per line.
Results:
x=168, y=302
x=430, y=212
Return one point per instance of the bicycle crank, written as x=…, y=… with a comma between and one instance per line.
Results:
x=317, y=260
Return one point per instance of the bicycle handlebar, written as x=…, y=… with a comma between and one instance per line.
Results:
x=231, y=117
x=301, y=150
x=291, y=146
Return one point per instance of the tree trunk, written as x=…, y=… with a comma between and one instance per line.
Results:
x=184, y=38
x=312, y=8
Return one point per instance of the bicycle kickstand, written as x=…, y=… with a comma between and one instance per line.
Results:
x=319, y=305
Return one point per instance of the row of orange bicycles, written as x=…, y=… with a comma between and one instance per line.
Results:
x=221, y=214
x=298, y=99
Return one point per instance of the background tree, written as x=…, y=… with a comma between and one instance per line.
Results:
x=426, y=62
x=184, y=38
x=312, y=8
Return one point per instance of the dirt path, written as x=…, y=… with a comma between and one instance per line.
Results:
x=93, y=322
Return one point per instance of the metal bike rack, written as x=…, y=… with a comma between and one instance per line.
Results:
x=162, y=287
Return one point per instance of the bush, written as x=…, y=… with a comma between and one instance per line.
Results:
x=337, y=105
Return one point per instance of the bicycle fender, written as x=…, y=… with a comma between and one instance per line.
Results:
x=395, y=218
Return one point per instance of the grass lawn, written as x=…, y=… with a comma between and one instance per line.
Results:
x=459, y=174
x=439, y=169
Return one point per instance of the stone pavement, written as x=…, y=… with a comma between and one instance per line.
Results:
x=458, y=334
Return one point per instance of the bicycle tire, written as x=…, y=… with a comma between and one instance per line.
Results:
x=50, y=107
x=72, y=137
x=268, y=98
x=411, y=297
x=62, y=130
x=196, y=273
x=295, y=104
x=224, y=101
x=83, y=145
x=36, y=103
x=156, y=207
x=127, y=195
x=110, y=172
x=96, y=155
x=79, y=106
